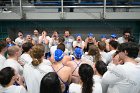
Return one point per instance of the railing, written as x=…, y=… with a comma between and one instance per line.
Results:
x=104, y=7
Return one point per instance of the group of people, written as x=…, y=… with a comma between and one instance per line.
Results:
x=56, y=64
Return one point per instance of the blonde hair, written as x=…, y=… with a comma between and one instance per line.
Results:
x=37, y=52
x=12, y=50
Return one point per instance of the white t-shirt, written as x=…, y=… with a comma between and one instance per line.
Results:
x=122, y=78
x=14, y=64
x=79, y=44
x=110, y=55
x=97, y=78
x=104, y=57
x=77, y=88
x=25, y=58
x=2, y=60
x=33, y=76
x=19, y=41
x=13, y=89
x=121, y=40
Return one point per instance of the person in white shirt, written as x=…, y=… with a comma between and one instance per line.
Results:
x=99, y=68
x=79, y=42
x=124, y=73
x=125, y=37
x=14, y=53
x=25, y=58
x=3, y=49
x=113, y=45
x=8, y=78
x=102, y=48
x=35, y=37
x=44, y=39
x=20, y=39
x=68, y=41
x=54, y=39
x=87, y=84
x=34, y=72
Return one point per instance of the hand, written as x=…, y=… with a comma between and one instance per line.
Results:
x=19, y=80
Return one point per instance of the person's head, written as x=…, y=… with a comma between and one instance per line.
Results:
x=27, y=46
x=44, y=33
x=3, y=47
x=50, y=83
x=55, y=34
x=67, y=33
x=78, y=38
x=113, y=37
x=131, y=39
x=8, y=40
x=129, y=49
x=102, y=45
x=7, y=75
x=126, y=33
x=94, y=51
x=28, y=37
x=61, y=39
x=103, y=37
x=20, y=34
x=37, y=54
x=78, y=52
x=61, y=46
x=113, y=45
x=86, y=75
x=90, y=35
x=14, y=51
x=36, y=33
x=58, y=55
x=101, y=67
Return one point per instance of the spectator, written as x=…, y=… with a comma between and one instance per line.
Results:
x=36, y=70
x=14, y=52
x=20, y=39
x=68, y=41
x=44, y=39
x=8, y=77
x=79, y=42
x=90, y=40
x=123, y=78
x=35, y=37
x=87, y=84
x=25, y=58
x=50, y=83
x=125, y=37
x=3, y=49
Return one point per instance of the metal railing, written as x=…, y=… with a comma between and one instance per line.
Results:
x=104, y=6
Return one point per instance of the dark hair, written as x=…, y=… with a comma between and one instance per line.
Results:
x=50, y=83
x=61, y=39
x=102, y=45
x=131, y=48
x=27, y=46
x=114, y=44
x=101, y=67
x=61, y=46
x=2, y=45
x=86, y=74
x=127, y=30
x=131, y=39
x=6, y=75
